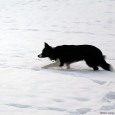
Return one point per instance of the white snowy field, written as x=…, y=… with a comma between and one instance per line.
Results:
x=26, y=88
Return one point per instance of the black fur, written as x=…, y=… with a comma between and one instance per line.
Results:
x=68, y=54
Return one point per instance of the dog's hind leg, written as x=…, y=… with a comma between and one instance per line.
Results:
x=92, y=64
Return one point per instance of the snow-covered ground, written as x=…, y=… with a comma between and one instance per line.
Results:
x=28, y=89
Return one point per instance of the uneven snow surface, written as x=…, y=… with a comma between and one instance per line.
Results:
x=26, y=87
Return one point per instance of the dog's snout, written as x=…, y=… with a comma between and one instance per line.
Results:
x=40, y=56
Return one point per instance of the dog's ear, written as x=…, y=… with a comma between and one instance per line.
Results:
x=46, y=45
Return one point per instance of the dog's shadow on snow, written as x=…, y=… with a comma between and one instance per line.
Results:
x=76, y=71
x=54, y=67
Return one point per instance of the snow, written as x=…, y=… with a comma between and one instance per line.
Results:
x=26, y=87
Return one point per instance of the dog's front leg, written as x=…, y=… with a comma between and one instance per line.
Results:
x=68, y=65
x=52, y=64
x=61, y=63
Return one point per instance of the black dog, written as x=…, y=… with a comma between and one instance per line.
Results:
x=68, y=54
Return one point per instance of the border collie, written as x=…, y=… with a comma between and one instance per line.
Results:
x=68, y=54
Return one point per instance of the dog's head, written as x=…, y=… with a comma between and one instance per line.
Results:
x=46, y=52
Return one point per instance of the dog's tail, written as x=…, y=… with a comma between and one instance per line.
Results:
x=105, y=65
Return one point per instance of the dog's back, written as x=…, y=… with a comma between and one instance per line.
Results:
x=73, y=53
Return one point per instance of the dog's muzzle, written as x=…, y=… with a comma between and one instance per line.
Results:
x=40, y=56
